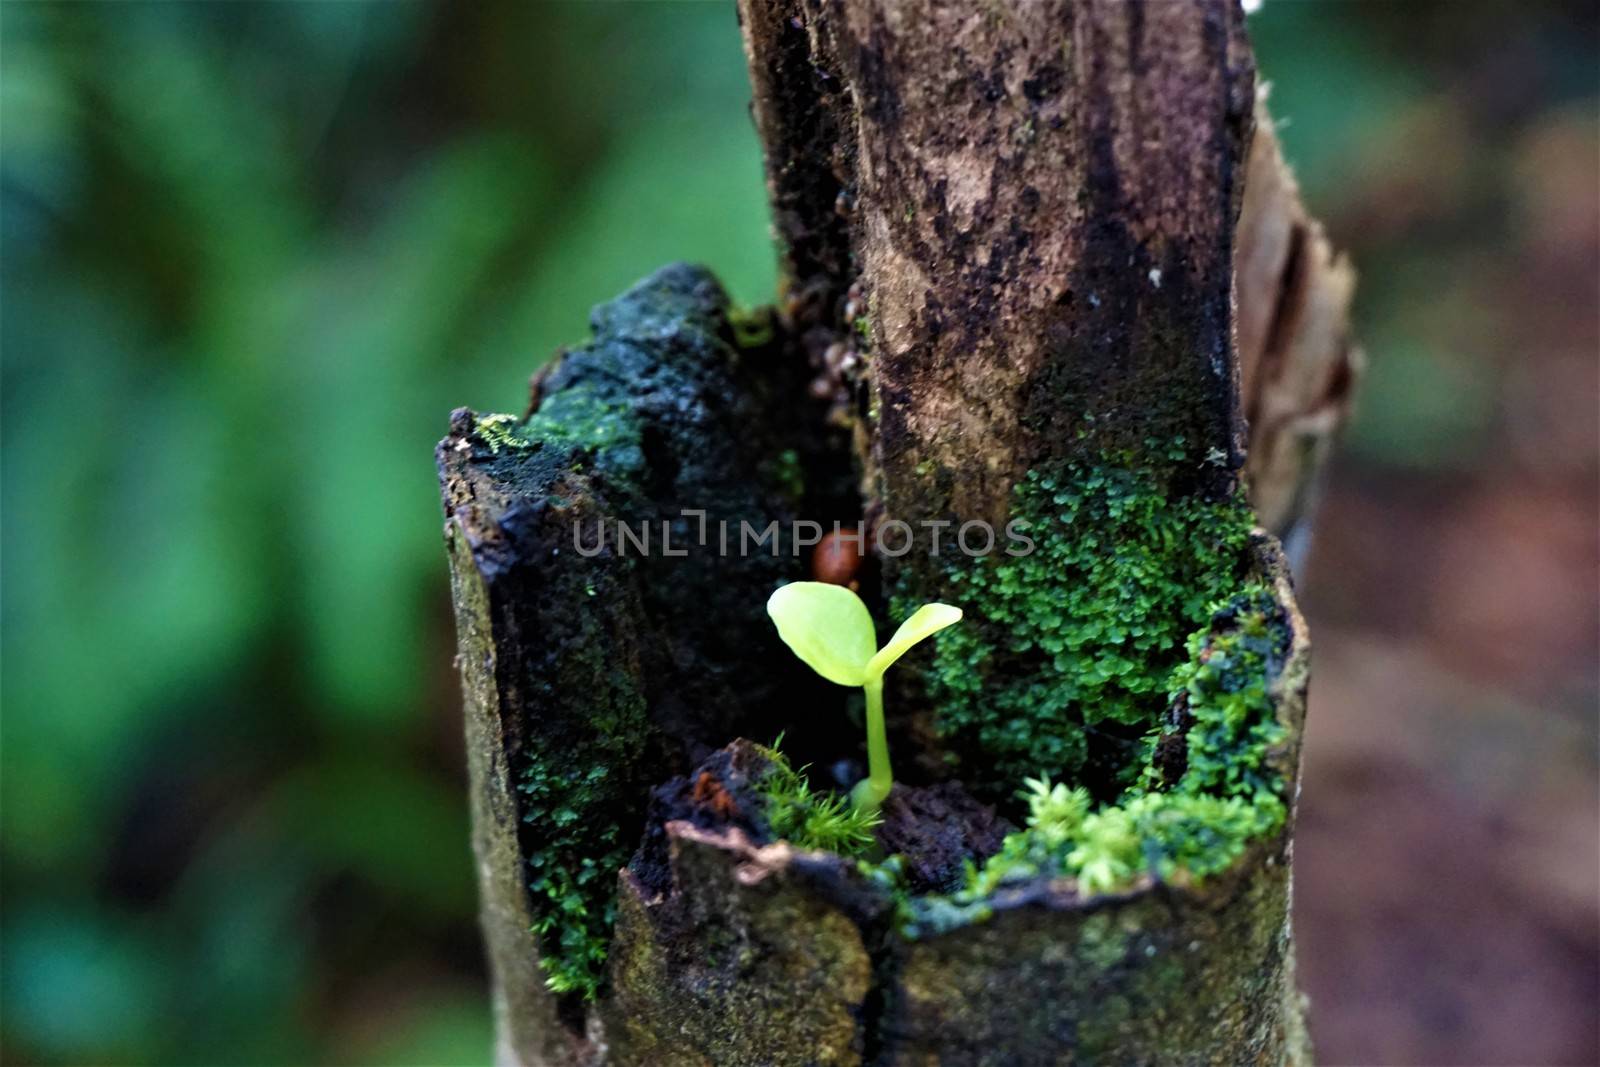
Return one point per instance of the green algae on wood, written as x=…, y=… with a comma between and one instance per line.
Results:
x=614, y=669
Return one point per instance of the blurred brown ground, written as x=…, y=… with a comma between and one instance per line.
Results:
x=1448, y=855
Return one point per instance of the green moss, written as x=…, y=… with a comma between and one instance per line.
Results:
x=1129, y=632
x=564, y=780
x=811, y=820
x=1067, y=657
x=786, y=472
x=1224, y=684
x=570, y=879
x=500, y=432
x=1228, y=796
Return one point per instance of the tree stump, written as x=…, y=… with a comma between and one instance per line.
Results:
x=1009, y=248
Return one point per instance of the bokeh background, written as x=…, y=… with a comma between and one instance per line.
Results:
x=253, y=255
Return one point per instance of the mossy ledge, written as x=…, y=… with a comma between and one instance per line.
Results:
x=1173, y=964
x=594, y=676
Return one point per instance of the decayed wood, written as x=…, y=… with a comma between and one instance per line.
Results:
x=590, y=677
x=757, y=953
x=1009, y=237
x=1298, y=361
x=1040, y=204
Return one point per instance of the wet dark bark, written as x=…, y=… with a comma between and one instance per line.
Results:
x=1038, y=205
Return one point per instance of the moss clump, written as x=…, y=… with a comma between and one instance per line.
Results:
x=1228, y=795
x=1127, y=655
x=1067, y=662
x=810, y=820
x=1224, y=685
x=500, y=432
x=571, y=878
x=1193, y=834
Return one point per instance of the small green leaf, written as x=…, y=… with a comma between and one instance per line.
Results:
x=828, y=627
x=924, y=623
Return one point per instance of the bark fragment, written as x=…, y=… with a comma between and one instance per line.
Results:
x=1298, y=361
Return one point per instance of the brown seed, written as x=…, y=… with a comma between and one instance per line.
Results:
x=837, y=557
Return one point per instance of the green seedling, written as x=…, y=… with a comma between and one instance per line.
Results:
x=830, y=629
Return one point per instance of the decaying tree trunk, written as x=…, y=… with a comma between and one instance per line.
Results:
x=1010, y=238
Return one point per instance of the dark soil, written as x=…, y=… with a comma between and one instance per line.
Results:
x=937, y=829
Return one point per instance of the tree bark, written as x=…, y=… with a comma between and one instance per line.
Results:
x=1042, y=201
x=1009, y=244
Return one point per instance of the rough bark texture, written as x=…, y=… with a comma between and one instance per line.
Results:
x=1009, y=240
x=1041, y=203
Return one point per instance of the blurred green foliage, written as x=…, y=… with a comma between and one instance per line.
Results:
x=1404, y=123
x=252, y=256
